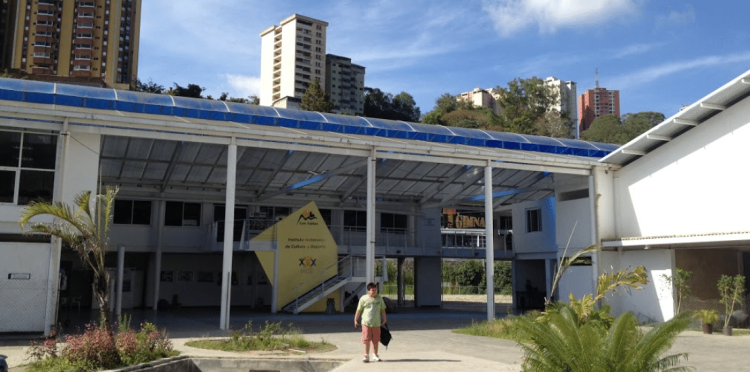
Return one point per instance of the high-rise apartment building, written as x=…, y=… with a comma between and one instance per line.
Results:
x=345, y=84
x=595, y=103
x=566, y=101
x=292, y=56
x=92, y=42
x=483, y=98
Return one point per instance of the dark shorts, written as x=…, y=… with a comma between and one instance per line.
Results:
x=370, y=334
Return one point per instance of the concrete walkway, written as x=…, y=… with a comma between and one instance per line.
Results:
x=423, y=341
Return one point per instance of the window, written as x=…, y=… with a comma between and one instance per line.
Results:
x=355, y=221
x=81, y=68
x=274, y=213
x=325, y=214
x=533, y=220
x=182, y=214
x=393, y=223
x=132, y=212
x=86, y=15
x=27, y=159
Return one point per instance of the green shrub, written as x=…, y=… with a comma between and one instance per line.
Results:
x=96, y=349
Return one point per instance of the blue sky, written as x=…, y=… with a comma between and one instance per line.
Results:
x=660, y=55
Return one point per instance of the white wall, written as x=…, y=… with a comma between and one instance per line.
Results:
x=655, y=302
x=24, y=302
x=691, y=185
x=534, y=242
x=81, y=165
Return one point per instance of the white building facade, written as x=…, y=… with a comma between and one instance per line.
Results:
x=567, y=101
x=292, y=57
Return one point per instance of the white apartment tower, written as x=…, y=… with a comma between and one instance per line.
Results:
x=482, y=98
x=292, y=56
x=345, y=85
x=567, y=100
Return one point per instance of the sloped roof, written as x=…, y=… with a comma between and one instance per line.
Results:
x=683, y=121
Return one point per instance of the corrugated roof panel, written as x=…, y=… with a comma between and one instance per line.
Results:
x=142, y=102
x=200, y=108
x=163, y=150
x=108, y=99
x=79, y=96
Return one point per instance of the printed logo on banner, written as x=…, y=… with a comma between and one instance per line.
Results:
x=306, y=218
x=307, y=263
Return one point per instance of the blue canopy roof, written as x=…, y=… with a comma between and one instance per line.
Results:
x=158, y=104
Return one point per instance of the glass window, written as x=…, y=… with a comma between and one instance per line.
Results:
x=132, y=212
x=35, y=174
x=182, y=214
x=10, y=144
x=35, y=185
x=7, y=186
x=533, y=220
x=394, y=223
x=355, y=221
x=39, y=151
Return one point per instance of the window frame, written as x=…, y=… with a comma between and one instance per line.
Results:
x=533, y=220
x=170, y=219
x=42, y=162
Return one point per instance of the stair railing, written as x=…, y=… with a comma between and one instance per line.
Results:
x=323, y=278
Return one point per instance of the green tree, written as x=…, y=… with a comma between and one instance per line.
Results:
x=86, y=231
x=315, y=99
x=611, y=129
x=444, y=104
x=192, y=90
x=149, y=87
x=467, y=118
x=253, y=100
x=679, y=282
x=525, y=102
x=561, y=343
x=606, y=129
x=379, y=104
x=731, y=290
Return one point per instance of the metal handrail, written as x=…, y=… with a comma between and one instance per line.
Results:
x=323, y=277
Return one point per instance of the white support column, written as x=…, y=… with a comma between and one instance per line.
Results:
x=370, y=247
x=53, y=289
x=489, y=243
x=593, y=192
x=275, y=282
x=226, y=272
x=157, y=254
x=120, y=275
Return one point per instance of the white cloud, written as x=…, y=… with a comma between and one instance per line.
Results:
x=676, y=18
x=243, y=86
x=513, y=16
x=654, y=73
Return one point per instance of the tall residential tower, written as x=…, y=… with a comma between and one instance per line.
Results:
x=345, y=83
x=595, y=103
x=566, y=101
x=92, y=42
x=292, y=56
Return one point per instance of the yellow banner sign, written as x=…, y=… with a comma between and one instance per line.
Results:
x=307, y=256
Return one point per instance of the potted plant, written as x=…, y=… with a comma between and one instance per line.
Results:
x=708, y=318
x=731, y=290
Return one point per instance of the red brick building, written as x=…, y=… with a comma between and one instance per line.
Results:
x=595, y=103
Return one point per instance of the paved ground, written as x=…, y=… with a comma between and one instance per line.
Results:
x=423, y=340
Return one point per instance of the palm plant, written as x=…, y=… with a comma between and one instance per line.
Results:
x=86, y=231
x=561, y=343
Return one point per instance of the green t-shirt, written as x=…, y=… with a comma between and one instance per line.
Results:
x=370, y=308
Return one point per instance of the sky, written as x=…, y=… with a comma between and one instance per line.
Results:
x=660, y=55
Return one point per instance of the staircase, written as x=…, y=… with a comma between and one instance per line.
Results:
x=349, y=269
x=316, y=294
